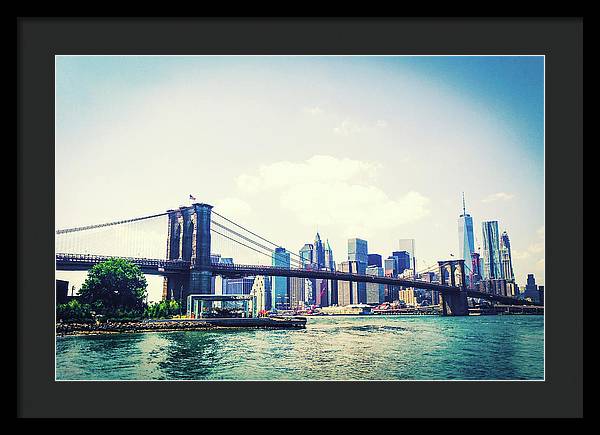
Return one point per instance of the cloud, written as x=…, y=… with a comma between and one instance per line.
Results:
x=316, y=110
x=500, y=196
x=381, y=123
x=319, y=168
x=346, y=128
x=325, y=190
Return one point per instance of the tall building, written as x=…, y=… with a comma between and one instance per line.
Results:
x=408, y=245
x=347, y=291
x=374, y=260
x=466, y=242
x=492, y=268
x=329, y=262
x=506, y=257
x=261, y=289
x=402, y=260
x=319, y=252
x=358, y=252
x=475, y=270
x=390, y=269
x=322, y=292
x=296, y=292
x=280, y=290
x=531, y=289
x=375, y=292
x=306, y=254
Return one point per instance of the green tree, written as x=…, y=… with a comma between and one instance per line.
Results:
x=73, y=310
x=114, y=284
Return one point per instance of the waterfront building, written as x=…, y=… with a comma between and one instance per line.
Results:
x=492, y=268
x=541, y=294
x=466, y=242
x=279, y=289
x=506, y=257
x=374, y=260
x=238, y=286
x=309, y=291
x=296, y=292
x=261, y=290
x=358, y=252
x=375, y=292
x=390, y=269
x=321, y=292
x=408, y=245
x=347, y=291
x=402, y=260
x=531, y=289
x=408, y=296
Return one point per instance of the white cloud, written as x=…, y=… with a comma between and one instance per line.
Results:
x=325, y=190
x=318, y=168
x=500, y=196
x=316, y=110
x=381, y=123
x=346, y=128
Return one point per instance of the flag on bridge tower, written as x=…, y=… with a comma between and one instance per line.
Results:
x=192, y=198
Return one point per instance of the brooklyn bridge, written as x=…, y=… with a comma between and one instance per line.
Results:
x=195, y=237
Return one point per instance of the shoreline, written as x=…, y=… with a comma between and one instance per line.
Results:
x=170, y=325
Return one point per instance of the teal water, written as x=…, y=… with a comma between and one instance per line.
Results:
x=330, y=348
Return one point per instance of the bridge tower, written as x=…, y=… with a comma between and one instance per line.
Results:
x=452, y=272
x=188, y=240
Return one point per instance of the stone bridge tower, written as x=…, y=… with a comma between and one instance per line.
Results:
x=452, y=272
x=189, y=240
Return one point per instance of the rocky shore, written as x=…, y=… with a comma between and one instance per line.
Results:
x=111, y=327
x=118, y=327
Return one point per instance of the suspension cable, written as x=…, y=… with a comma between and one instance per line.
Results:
x=90, y=227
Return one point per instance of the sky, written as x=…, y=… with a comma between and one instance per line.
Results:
x=375, y=147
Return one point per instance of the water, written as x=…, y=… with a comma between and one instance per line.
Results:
x=330, y=348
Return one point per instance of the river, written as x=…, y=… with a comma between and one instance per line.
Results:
x=330, y=348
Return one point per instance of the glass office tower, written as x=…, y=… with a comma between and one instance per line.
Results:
x=466, y=243
x=279, y=289
x=492, y=268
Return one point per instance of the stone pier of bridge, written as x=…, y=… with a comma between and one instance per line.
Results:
x=189, y=240
x=452, y=272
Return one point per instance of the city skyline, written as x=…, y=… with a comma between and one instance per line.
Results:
x=355, y=147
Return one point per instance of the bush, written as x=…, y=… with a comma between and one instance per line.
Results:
x=73, y=310
x=162, y=310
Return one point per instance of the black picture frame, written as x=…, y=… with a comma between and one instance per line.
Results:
x=560, y=40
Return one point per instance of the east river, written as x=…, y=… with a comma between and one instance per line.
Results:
x=330, y=348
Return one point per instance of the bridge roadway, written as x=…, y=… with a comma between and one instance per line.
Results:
x=152, y=266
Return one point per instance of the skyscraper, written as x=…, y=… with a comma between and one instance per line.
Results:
x=408, y=245
x=347, y=292
x=319, y=252
x=506, y=257
x=375, y=292
x=402, y=260
x=306, y=254
x=466, y=243
x=374, y=260
x=280, y=299
x=329, y=262
x=358, y=252
x=492, y=268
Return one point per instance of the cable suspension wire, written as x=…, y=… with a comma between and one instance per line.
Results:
x=254, y=234
x=243, y=237
x=90, y=227
x=243, y=244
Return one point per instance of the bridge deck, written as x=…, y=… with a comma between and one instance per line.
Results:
x=166, y=267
